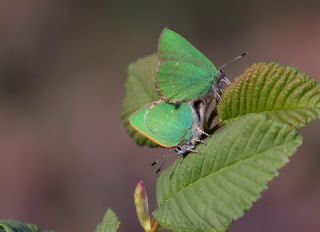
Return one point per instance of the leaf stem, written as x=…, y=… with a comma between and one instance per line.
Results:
x=155, y=226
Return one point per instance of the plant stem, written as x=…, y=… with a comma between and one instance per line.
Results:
x=155, y=226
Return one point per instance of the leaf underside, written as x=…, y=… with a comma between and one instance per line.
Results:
x=140, y=91
x=281, y=92
x=110, y=222
x=207, y=192
x=15, y=226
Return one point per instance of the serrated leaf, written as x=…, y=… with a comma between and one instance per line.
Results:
x=140, y=91
x=110, y=222
x=281, y=92
x=15, y=226
x=207, y=192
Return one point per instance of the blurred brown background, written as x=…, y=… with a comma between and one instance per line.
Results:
x=65, y=156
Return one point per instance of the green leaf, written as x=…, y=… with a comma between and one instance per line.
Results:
x=140, y=91
x=209, y=190
x=15, y=226
x=110, y=222
x=281, y=92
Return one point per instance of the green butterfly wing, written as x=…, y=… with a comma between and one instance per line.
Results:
x=166, y=124
x=172, y=123
x=184, y=73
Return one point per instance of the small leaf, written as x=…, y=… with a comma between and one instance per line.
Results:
x=110, y=222
x=207, y=192
x=279, y=91
x=140, y=91
x=142, y=208
x=15, y=226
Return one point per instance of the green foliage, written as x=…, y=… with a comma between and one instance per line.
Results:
x=261, y=110
x=281, y=92
x=15, y=226
x=110, y=222
x=206, y=192
x=140, y=91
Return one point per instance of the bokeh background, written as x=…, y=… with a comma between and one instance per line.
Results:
x=65, y=156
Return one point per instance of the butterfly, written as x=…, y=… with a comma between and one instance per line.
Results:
x=175, y=126
x=184, y=73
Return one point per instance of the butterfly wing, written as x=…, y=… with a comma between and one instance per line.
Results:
x=172, y=123
x=184, y=73
x=137, y=121
x=166, y=124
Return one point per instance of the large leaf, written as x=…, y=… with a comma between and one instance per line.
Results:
x=281, y=92
x=140, y=91
x=110, y=222
x=15, y=226
x=209, y=190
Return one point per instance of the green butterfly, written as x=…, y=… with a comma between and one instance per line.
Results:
x=170, y=126
x=184, y=73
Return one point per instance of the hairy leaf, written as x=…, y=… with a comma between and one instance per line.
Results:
x=279, y=91
x=15, y=226
x=140, y=91
x=209, y=190
x=110, y=222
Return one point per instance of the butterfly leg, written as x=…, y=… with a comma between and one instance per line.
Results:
x=202, y=132
x=226, y=80
x=199, y=141
x=217, y=92
x=182, y=150
x=187, y=149
x=202, y=113
x=223, y=80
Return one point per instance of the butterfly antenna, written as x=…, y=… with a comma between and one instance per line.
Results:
x=163, y=163
x=159, y=159
x=232, y=60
